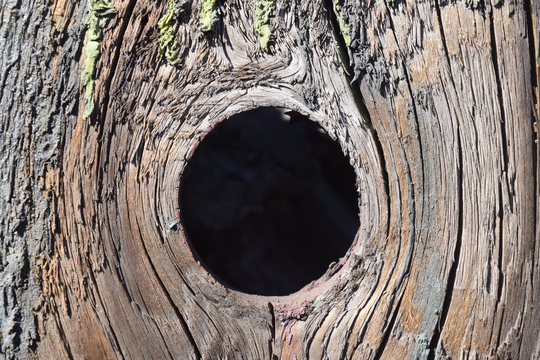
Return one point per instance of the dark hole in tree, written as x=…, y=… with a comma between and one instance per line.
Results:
x=269, y=201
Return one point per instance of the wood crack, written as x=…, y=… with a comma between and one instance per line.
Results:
x=504, y=177
x=343, y=53
x=179, y=315
x=499, y=90
x=434, y=343
x=114, y=64
x=389, y=327
x=111, y=329
x=272, y=330
x=533, y=53
x=501, y=243
x=61, y=331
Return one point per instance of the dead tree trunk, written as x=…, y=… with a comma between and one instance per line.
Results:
x=435, y=102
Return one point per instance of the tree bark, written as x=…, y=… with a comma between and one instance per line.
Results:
x=435, y=102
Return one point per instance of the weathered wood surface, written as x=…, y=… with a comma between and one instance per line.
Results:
x=446, y=262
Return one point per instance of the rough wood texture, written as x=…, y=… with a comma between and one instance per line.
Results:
x=436, y=110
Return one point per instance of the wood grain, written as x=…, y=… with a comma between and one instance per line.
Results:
x=434, y=103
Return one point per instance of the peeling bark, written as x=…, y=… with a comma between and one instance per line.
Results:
x=435, y=102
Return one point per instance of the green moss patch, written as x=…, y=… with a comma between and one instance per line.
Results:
x=208, y=17
x=168, y=44
x=262, y=16
x=98, y=12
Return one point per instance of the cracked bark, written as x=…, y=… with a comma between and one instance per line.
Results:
x=435, y=104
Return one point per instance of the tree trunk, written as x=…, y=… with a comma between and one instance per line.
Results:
x=434, y=102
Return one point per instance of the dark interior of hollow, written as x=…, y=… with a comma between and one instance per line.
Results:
x=268, y=201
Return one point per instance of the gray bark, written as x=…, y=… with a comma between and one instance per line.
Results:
x=30, y=140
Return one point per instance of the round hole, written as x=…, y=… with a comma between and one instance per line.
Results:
x=268, y=202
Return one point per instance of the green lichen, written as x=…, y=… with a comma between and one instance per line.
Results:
x=97, y=17
x=262, y=15
x=209, y=16
x=343, y=27
x=168, y=44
